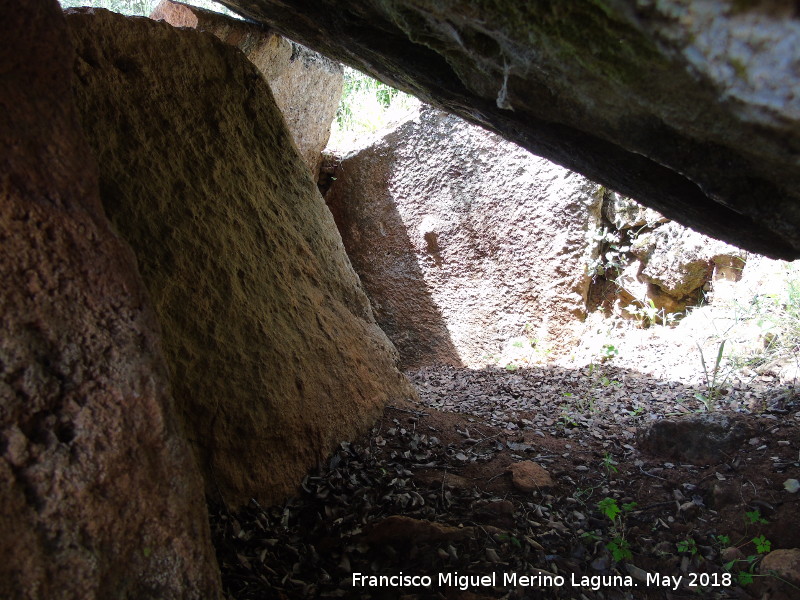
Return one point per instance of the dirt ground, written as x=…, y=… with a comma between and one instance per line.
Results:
x=430, y=492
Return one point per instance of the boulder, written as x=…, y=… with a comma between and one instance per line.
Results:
x=99, y=495
x=675, y=264
x=706, y=438
x=307, y=86
x=692, y=108
x=273, y=351
x=781, y=569
x=680, y=261
x=464, y=240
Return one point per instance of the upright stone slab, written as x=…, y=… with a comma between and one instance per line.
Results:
x=306, y=85
x=274, y=353
x=463, y=239
x=99, y=496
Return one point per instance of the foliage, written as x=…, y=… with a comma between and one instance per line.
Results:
x=776, y=316
x=609, y=464
x=648, y=314
x=367, y=105
x=611, y=256
x=762, y=546
x=608, y=351
x=715, y=384
x=619, y=547
x=687, y=546
x=754, y=517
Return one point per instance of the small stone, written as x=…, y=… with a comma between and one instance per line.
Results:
x=689, y=509
x=527, y=476
x=731, y=553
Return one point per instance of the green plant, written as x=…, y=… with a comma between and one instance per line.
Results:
x=722, y=541
x=762, y=544
x=754, y=517
x=608, y=351
x=611, y=256
x=648, y=314
x=609, y=464
x=618, y=546
x=366, y=106
x=715, y=386
x=620, y=549
x=687, y=546
x=609, y=508
x=606, y=382
x=774, y=316
x=566, y=419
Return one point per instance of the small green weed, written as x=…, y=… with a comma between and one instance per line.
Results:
x=608, y=351
x=715, y=384
x=609, y=464
x=618, y=546
x=754, y=517
x=687, y=546
x=762, y=544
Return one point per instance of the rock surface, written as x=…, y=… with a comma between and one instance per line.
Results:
x=680, y=261
x=306, y=85
x=624, y=213
x=783, y=570
x=464, y=240
x=402, y=530
x=696, y=438
x=99, y=496
x=528, y=477
x=273, y=350
x=673, y=266
x=592, y=86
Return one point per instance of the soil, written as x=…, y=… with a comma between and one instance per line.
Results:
x=444, y=465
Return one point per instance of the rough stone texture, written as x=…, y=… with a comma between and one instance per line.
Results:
x=698, y=438
x=624, y=213
x=99, y=496
x=692, y=108
x=274, y=353
x=676, y=263
x=402, y=530
x=463, y=239
x=527, y=476
x=306, y=85
x=783, y=564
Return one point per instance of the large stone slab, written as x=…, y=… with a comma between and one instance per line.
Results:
x=306, y=85
x=99, y=495
x=464, y=240
x=692, y=108
x=274, y=353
